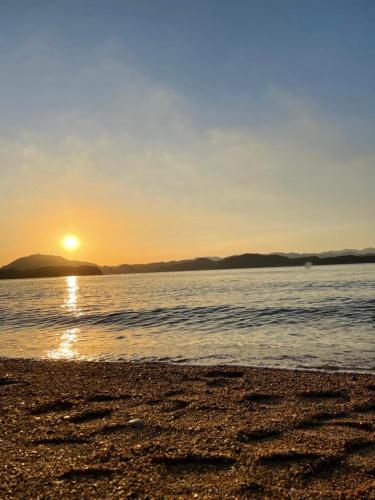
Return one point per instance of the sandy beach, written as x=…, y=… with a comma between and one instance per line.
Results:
x=121, y=430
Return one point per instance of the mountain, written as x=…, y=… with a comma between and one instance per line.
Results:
x=49, y=272
x=259, y=260
x=155, y=267
x=247, y=260
x=50, y=265
x=38, y=260
x=42, y=266
x=330, y=253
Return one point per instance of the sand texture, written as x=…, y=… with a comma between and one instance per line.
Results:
x=112, y=430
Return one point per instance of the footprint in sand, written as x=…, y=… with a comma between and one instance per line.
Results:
x=8, y=381
x=259, y=397
x=320, y=419
x=51, y=407
x=323, y=395
x=197, y=461
x=88, y=415
x=357, y=445
x=363, y=426
x=224, y=374
x=174, y=405
x=313, y=464
x=252, y=436
x=87, y=473
x=103, y=397
x=218, y=382
x=172, y=392
x=57, y=441
x=366, y=407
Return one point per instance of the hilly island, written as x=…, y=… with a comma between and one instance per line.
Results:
x=42, y=266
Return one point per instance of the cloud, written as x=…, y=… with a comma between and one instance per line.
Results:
x=101, y=133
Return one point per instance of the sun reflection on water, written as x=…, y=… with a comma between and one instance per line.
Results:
x=67, y=339
x=70, y=302
x=65, y=348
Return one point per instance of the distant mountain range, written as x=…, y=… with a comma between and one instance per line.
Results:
x=330, y=253
x=35, y=266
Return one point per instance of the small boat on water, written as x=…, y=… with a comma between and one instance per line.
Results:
x=308, y=264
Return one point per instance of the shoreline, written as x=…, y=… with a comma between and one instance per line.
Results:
x=201, y=366
x=159, y=430
x=171, y=271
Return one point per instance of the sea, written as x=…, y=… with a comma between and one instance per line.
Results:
x=320, y=317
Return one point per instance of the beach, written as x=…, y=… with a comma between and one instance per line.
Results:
x=133, y=430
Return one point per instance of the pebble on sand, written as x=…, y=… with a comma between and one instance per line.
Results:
x=137, y=423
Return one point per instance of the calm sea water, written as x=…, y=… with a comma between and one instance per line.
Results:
x=323, y=317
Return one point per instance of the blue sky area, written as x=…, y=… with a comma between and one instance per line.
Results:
x=252, y=121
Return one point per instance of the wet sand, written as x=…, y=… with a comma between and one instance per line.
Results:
x=111, y=430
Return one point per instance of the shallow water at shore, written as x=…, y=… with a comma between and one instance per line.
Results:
x=322, y=318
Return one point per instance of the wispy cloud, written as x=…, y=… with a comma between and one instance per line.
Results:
x=100, y=136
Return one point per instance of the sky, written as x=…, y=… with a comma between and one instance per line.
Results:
x=169, y=129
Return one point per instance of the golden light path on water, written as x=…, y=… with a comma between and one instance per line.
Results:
x=69, y=337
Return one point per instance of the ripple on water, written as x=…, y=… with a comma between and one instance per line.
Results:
x=280, y=317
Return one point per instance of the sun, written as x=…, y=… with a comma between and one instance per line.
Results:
x=70, y=242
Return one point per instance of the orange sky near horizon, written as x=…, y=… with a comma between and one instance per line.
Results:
x=107, y=239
